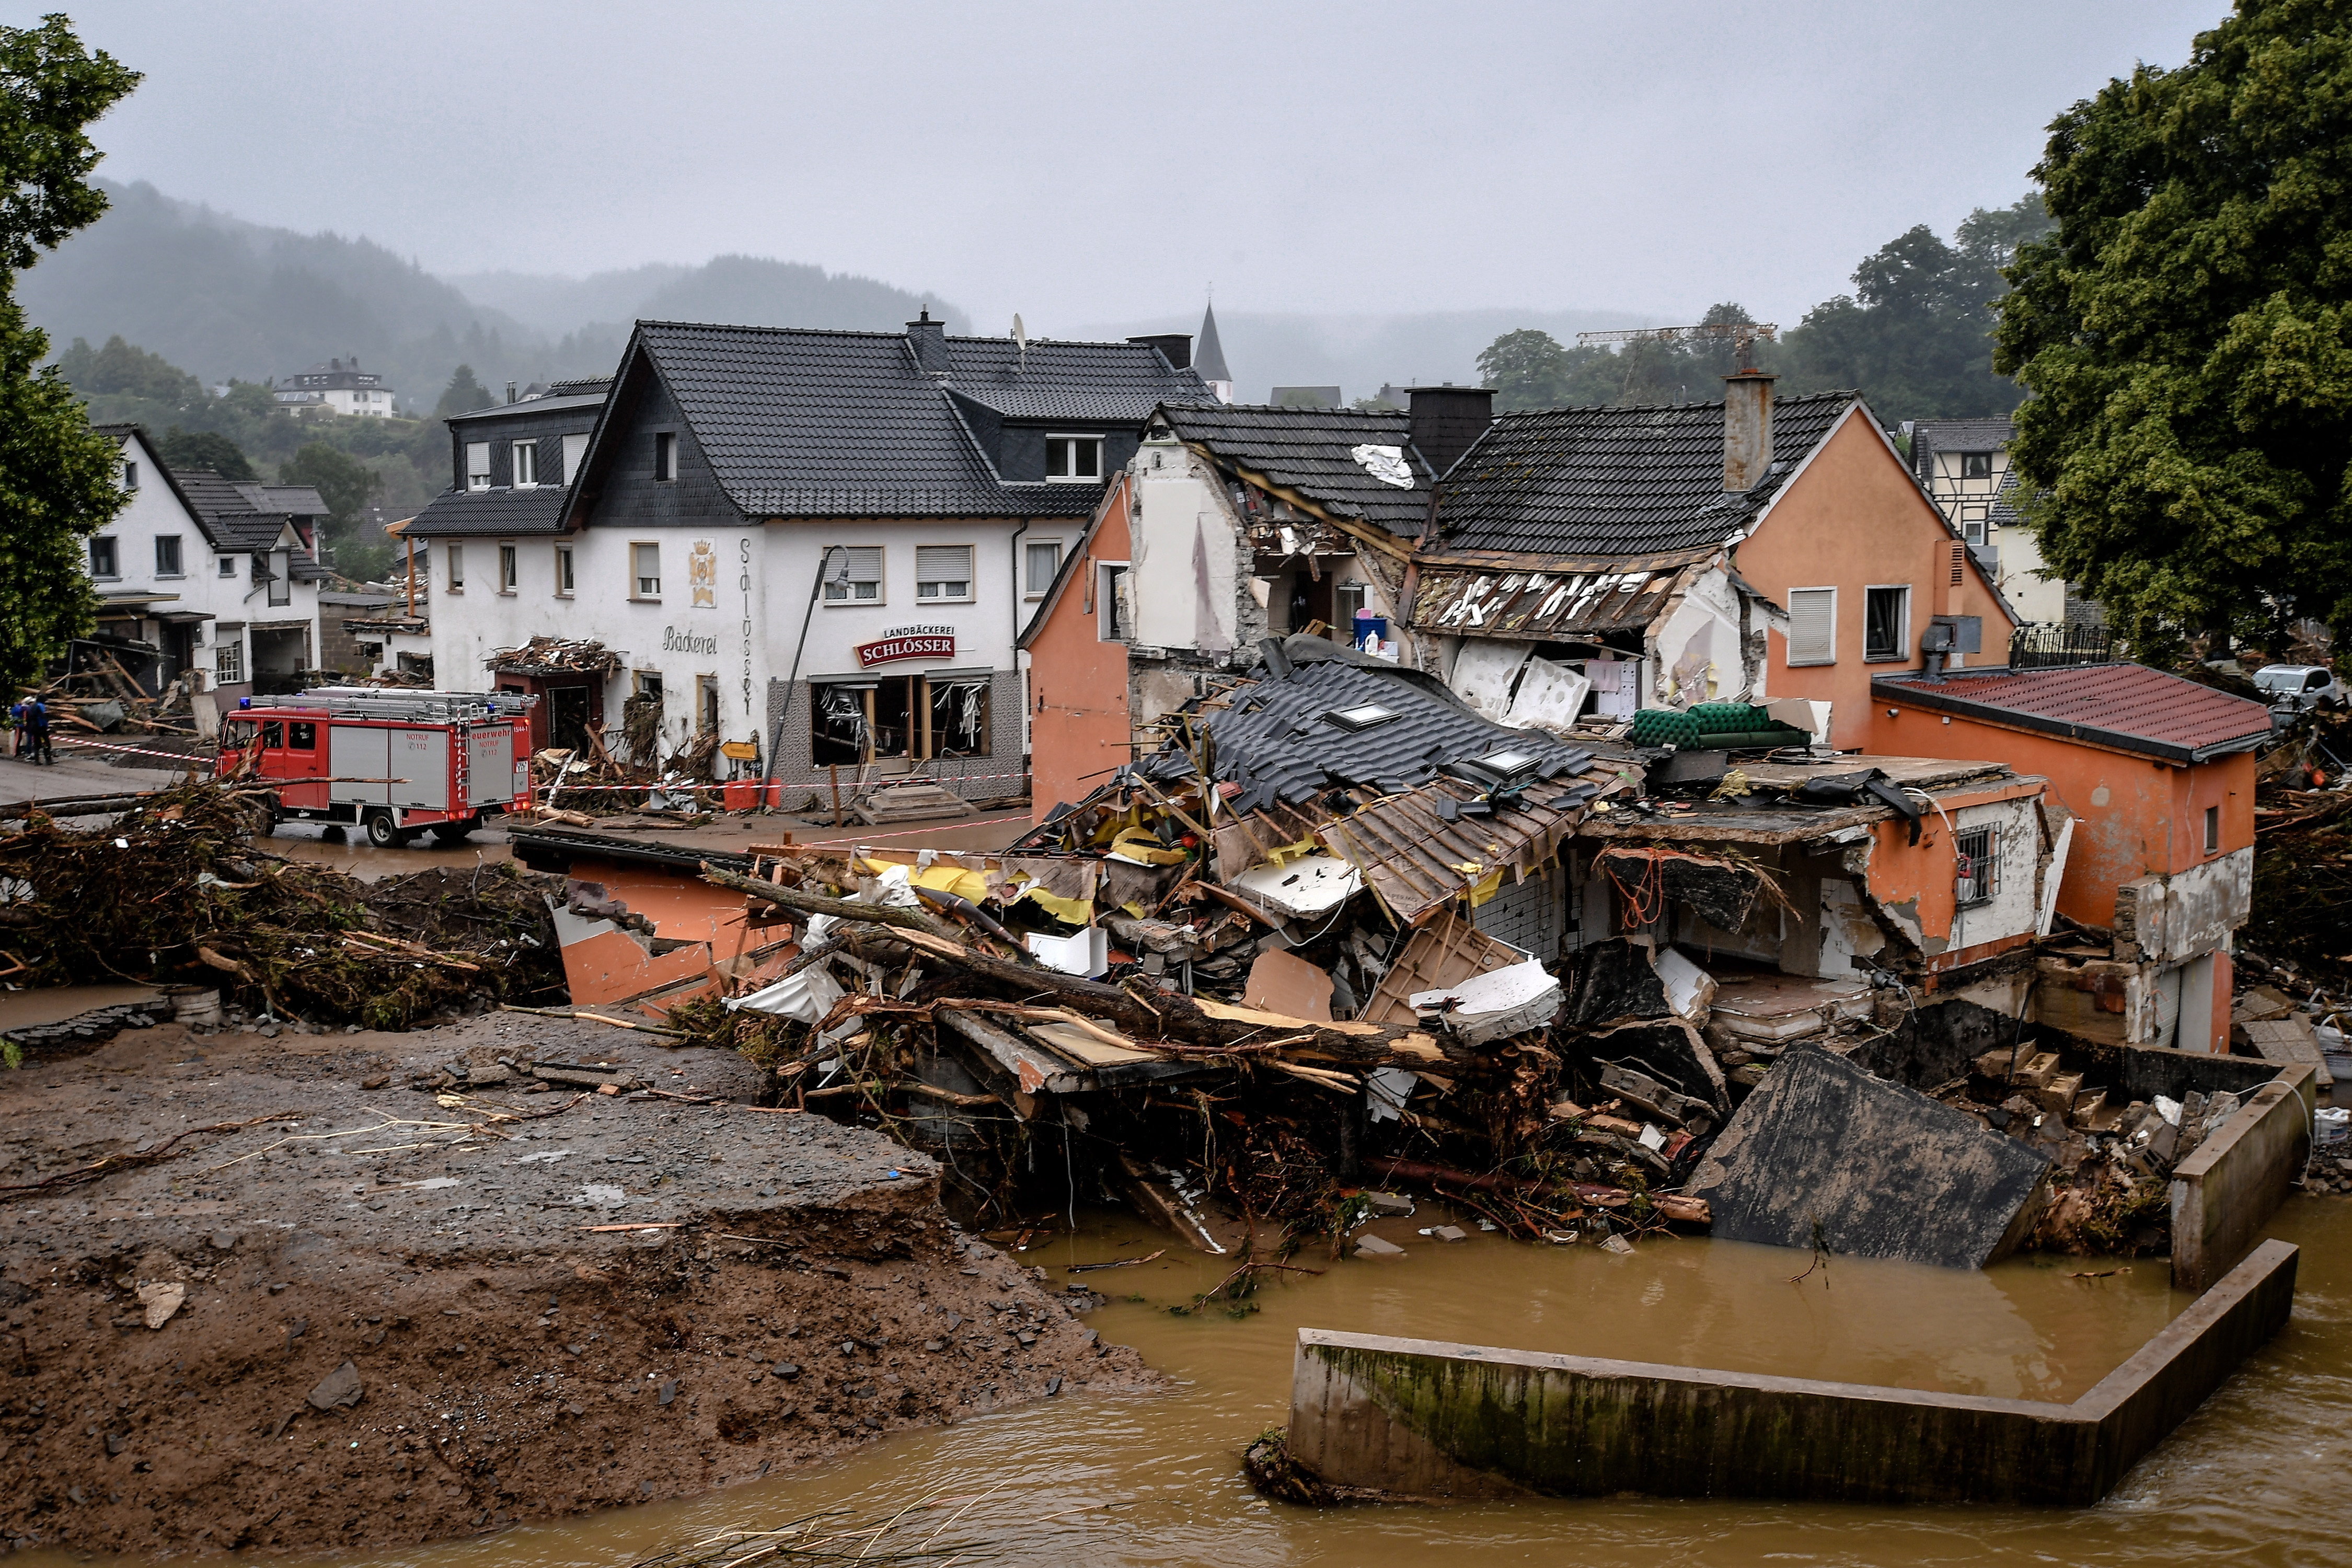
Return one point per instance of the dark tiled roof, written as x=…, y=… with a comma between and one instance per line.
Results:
x=2003, y=512
x=1276, y=741
x=1309, y=450
x=2127, y=706
x=295, y=501
x=1929, y=437
x=503, y=512
x=551, y=403
x=803, y=423
x=1615, y=484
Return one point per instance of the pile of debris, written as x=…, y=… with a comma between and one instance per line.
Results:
x=93, y=693
x=176, y=890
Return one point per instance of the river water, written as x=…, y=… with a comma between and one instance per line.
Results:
x=2261, y=1475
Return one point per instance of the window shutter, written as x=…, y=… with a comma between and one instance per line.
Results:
x=864, y=562
x=944, y=563
x=1813, y=626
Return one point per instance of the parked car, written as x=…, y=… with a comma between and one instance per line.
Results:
x=2299, y=687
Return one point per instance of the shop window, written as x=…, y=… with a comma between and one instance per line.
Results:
x=960, y=719
x=852, y=575
x=841, y=729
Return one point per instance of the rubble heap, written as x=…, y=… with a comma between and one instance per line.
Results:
x=176, y=891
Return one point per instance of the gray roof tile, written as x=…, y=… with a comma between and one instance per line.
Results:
x=503, y=512
x=1310, y=450
x=1615, y=483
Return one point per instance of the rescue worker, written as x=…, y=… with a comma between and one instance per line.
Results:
x=36, y=731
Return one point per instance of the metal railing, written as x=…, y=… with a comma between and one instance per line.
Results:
x=2046, y=645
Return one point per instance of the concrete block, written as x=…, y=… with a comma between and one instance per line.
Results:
x=2225, y=1192
x=1883, y=1170
x=1373, y=1247
x=1424, y=1418
x=2038, y=1071
x=2058, y=1094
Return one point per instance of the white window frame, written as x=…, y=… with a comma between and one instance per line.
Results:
x=971, y=579
x=848, y=600
x=1074, y=436
x=455, y=560
x=179, y=556
x=227, y=566
x=477, y=465
x=131, y=476
x=1793, y=661
x=521, y=455
x=509, y=568
x=228, y=661
x=1031, y=587
x=1901, y=652
x=638, y=592
x=113, y=545
x=564, y=568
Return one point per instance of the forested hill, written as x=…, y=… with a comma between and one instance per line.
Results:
x=227, y=300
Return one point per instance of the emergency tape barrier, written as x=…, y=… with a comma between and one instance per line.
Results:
x=186, y=759
x=695, y=785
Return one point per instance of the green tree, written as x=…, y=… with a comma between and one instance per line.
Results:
x=185, y=450
x=346, y=485
x=463, y=394
x=121, y=370
x=2187, y=334
x=57, y=476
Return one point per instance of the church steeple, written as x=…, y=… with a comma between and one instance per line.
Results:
x=1209, y=358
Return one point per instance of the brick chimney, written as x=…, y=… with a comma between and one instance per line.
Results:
x=1747, y=428
x=929, y=339
x=1446, y=420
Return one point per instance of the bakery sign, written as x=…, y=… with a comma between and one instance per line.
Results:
x=906, y=642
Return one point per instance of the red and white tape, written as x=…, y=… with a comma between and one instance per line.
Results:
x=186, y=759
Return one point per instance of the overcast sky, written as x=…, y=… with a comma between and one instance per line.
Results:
x=1083, y=162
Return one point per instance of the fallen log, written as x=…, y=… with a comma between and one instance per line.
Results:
x=817, y=904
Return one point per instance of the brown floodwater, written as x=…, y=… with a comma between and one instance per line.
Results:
x=2261, y=1475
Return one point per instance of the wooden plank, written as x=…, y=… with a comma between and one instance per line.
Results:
x=1032, y=1068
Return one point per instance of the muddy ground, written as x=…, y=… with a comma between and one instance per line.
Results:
x=504, y=1361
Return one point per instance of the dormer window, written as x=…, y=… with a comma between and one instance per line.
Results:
x=477, y=465
x=526, y=465
x=1074, y=460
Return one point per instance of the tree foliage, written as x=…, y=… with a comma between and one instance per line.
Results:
x=2186, y=333
x=463, y=394
x=185, y=449
x=1915, y=335
x=57, y=476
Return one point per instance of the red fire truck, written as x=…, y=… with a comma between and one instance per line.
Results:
x=394, y=762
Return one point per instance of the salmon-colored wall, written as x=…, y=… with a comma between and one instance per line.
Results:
x=1923, y=876
x=1855, y=519
x=1078, y=723
x=2136, y=817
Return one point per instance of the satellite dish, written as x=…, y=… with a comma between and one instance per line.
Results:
x=1020, y=333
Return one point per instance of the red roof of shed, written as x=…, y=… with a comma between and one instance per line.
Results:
x=2129, y=707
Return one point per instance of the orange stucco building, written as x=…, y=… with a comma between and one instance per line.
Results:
x=2151, y=779
x=1079, y=720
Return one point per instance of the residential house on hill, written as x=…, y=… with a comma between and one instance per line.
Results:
x=1964, y=464
x=217, y=575
x=1231, y=522
x=817, y=542
x=1747, y=549
x=337, y=386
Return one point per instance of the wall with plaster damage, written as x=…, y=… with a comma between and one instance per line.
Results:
x=1701, y=650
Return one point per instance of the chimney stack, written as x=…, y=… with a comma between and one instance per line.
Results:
x=929, y=339
x=1747, y=428
x=1446, y=420
x=511, y=392
x=1176, y=348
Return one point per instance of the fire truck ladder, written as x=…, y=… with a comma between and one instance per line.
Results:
x=419, y=707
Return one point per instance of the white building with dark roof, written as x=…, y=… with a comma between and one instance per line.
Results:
x=220, y=576
x=819, y=542
x=337, y=386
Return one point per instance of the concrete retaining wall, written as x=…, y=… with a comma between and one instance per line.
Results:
x=1420, y=1418
x=2233, y=1182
